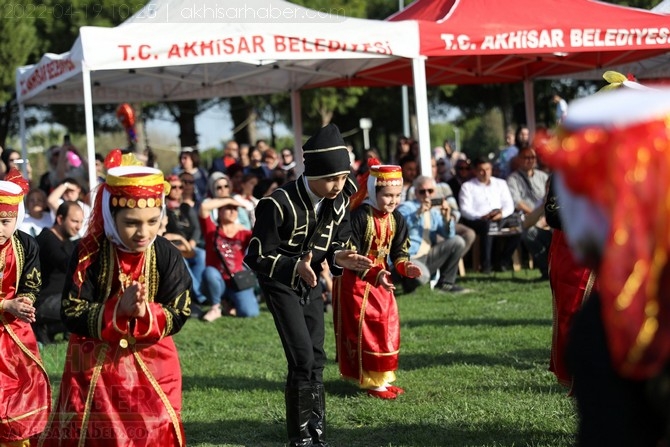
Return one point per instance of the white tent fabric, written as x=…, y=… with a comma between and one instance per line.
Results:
x=188, y=49
x=663, y=7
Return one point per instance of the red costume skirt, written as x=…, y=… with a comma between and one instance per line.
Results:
x=367, y=329
x=25, y=394
x=570, y=284
x=113, y=396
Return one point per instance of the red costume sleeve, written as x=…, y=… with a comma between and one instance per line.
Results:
x=115, y=327
x=401, y=267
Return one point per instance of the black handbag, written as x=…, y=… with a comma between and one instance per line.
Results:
x=244, y=279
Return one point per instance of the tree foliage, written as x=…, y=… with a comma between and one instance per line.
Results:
x=54, y=26
x=30, y=29
x=17, y=46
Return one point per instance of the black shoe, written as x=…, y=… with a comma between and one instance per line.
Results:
x=409, y=285
x=451, y=288
x=196, y=311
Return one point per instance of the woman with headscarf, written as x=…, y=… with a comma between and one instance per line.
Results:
x=367, y=326
x=25, y=394
x=126, y=294
x=219, y=185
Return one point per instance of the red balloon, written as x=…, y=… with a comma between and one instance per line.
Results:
x=126, y=115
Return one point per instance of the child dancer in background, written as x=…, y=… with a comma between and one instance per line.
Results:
x=25, y=395
x=367, y=327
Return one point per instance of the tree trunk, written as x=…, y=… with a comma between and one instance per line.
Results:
x=188, y=110
x=252, y=129
x=239, y=114
x=141, y=143
x=7, y=111
x=506, y=106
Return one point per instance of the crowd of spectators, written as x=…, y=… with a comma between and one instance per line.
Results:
x=210, y=209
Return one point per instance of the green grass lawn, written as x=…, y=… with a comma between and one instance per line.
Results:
x=474, y=368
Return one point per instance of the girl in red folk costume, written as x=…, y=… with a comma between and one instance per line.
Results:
x=367, y=327
x=127, y=293
x=25, y=395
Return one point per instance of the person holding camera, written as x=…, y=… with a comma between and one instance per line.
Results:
x=69, y=190
x=12, y=160
x=434, y=244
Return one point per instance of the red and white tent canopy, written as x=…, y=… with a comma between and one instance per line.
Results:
x=486, y=41
x=489, y=41
x=187, y=49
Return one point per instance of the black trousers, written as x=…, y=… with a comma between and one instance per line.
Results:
x=481, y=227
x=301, y=330
x=613, y=411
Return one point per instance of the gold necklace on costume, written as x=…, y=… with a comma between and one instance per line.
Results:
x=125, y=279
x=382, y=249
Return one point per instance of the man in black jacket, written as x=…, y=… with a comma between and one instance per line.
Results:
x=56, y=247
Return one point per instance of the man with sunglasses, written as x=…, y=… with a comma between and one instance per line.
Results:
x=434, y=244
x=462, y=173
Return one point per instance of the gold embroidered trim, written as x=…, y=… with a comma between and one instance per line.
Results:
x=23, y=347
x=589, y=286
x=382, y=354
x=151, y=323
x=23, y=416
x=361, y=318
x=91, y=391
x=161, y=394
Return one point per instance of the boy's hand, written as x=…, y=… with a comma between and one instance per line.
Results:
x=349, y=259
x=305, y=270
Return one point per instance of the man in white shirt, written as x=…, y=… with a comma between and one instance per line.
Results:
x=486, y=203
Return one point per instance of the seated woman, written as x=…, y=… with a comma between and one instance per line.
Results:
x=188, y=253
x=226, y=244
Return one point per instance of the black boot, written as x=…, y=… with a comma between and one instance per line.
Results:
x=299, y=404
x=317, y=423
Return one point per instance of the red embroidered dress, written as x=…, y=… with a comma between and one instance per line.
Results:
x=25, y=394
x=367, y=325
x=122, y=380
